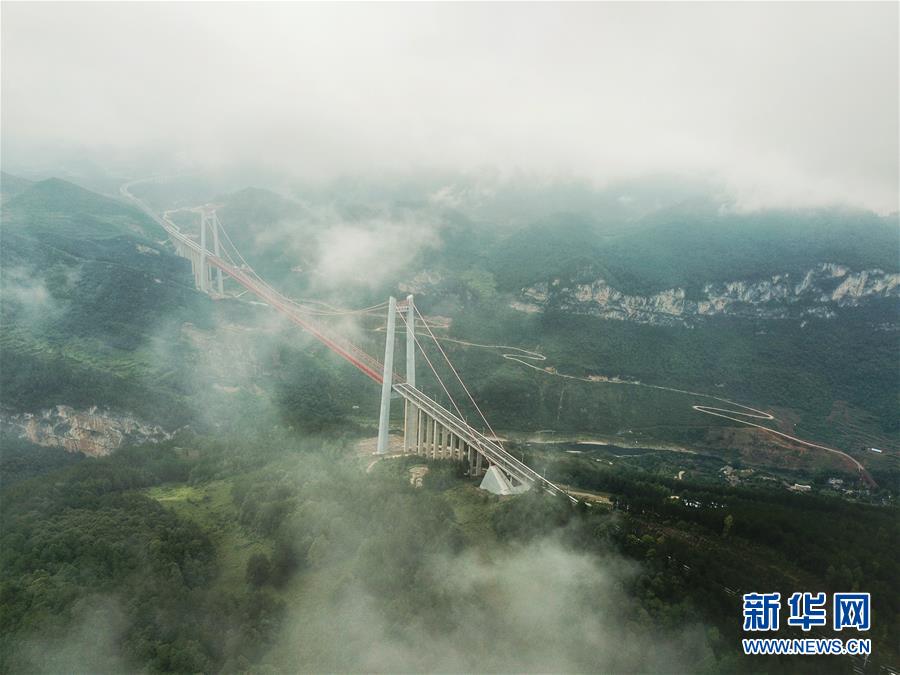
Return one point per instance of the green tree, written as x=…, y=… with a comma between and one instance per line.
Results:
x=729, y=523
x=259, y=569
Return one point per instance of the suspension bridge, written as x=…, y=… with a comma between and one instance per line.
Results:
x=429, y=429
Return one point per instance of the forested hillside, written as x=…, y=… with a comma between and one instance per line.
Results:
x=259, y=535
x=85, y=286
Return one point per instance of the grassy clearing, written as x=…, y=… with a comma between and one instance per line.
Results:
x=210, y=506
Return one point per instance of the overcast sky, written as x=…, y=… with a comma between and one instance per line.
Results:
x=791, y=104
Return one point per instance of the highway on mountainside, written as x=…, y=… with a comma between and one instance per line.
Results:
x=527, y=358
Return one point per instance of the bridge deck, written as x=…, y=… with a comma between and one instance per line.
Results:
x=490, y=449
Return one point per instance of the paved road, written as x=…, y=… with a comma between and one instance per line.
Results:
x=738, y=412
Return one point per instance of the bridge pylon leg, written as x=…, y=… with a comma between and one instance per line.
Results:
x=439, y=442
x=478, y=464
x=412, y=422
x=204, y=271
x=420, y=432
x=436, y=445
x=412, y=416
x=406, y=423
x=220, y=287
x=434, y=439
x=195, y=266
x=384, y=418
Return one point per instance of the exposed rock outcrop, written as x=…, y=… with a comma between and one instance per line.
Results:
x=92, y=432
x=816, y=293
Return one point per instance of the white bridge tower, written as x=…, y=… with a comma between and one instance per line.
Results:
x=387, y=383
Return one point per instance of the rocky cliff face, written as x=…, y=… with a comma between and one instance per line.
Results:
x=818, y=292
x=92, y=432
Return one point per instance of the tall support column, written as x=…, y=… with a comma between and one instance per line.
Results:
x=220, y=287
x=471, y=454
x=429, y=437
x=438, y=440
x=478, y=464
x=434, y=439
x=411, y=414
x=387, y=383
x=204, y=273
x=420, y=433
x=411, y=356
x=195, y=268
x=410, y=341
x=406, y=423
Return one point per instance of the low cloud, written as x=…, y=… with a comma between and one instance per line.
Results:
x=24, y=295
x=527, y=608
x=22, y=288
x=90, y=644
x=370, y=253
x=791, y=103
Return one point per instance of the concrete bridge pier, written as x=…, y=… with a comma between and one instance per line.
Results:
x=214, y=220
x=411, y=421
x=196, y=268
x=433, y=445
x=436, y=448
x=435, y=439
x=421, y=422
x=476, y=463
x=203, y=269
x=196, y=263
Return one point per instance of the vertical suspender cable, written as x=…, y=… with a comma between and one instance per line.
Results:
x=465, y=388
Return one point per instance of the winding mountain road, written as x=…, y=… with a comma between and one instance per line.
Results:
x=740, y=413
